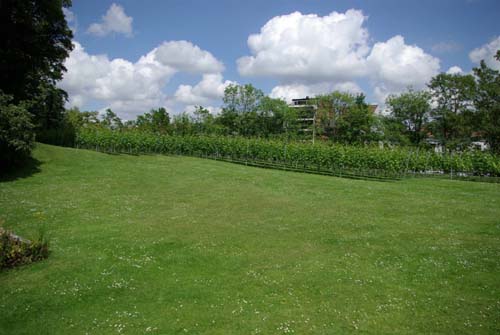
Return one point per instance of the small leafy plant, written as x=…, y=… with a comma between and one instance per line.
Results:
x=15, y=251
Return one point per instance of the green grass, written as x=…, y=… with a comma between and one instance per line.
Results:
x=175, y=245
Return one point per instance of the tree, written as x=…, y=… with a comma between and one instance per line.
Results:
x=16, y=132
x=487, y=103
x=410, y=112
x=160, y=120
x=111, y=120
x=344, y=117
x=78, y=119
x=35, y=42
x=48, y=107
x=276, y=117
x=453, y=97
x=204, y=121
x=182, y=124
x=157, y=120
x=239, y=112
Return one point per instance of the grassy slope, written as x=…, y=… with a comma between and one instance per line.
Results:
x=174, y=245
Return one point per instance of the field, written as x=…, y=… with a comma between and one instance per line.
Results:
x=174, y=245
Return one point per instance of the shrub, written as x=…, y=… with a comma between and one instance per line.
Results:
x=15, y=251
x=17, y=136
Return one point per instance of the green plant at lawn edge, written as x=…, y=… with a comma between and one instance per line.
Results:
x=15, y=251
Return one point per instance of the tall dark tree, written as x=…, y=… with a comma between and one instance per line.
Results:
x=487, y=102
x=453, y=97
x=35, y=42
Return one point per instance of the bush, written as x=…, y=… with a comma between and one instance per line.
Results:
x=15, y=251
x=17, y=136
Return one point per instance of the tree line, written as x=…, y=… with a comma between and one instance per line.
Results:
x=455, y=110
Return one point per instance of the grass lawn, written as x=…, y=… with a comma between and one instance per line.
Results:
x=175, y=245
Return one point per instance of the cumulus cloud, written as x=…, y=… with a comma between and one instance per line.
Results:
x=288, y=92
x=308, y=47
x=311, y=54
x=185, y=56
x=132, y=88
x=455, y=70
x=487, y=53
x=114, y=21
x=395, y=65
x=209, y=89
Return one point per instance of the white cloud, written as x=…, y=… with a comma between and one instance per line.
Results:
x=398, y=65
x=347, y=86
x=185, y=56
x=288, y=92
x=310, y=54
x=71, y=19
x=115, y=21
x=487, y=53
x=455, y=70
x=299, y=47
x=130, y=88
x=210, y=88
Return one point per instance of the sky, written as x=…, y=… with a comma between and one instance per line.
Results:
x=132, y=56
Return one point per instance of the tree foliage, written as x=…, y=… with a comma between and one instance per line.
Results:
x=409, y=114
x=344, y=117
x=16, y=131
x=487, y=103
x=157, y=120
x=35, y=42
x=248, y=112
x=453, y=96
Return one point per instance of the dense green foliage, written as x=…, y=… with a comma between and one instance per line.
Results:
x=453, y=115
x=344, y=118
x=409, y=113
x=487, y=102
x=320, y=157
x=247, y=112
x=35, y=42
x=16, y=132
x=168, y=245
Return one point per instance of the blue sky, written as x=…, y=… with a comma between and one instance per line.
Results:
x=304, y=53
